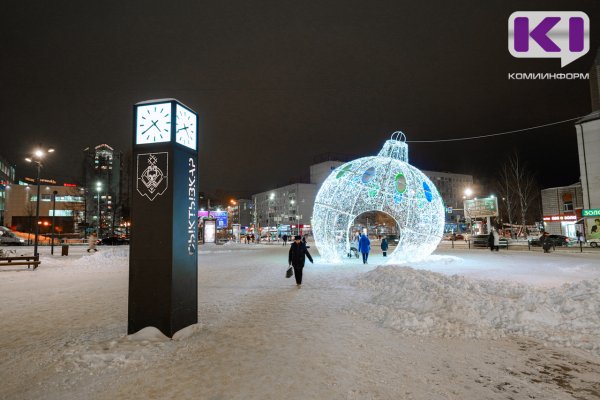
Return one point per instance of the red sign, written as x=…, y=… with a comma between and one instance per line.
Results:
x=69, y=185
x=559, y=218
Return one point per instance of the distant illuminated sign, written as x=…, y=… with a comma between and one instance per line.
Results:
x=69, y=185
x=558, y=218
x=42, y=180
x=210, y=231
x=220, y=216
x=480, y=208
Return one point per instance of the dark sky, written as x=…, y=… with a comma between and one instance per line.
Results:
x=277, y=83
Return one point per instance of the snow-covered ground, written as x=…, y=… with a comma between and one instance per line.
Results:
x=460, y=325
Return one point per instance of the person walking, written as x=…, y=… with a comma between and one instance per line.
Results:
x=285, y=238
x=92, y=241
x=545, y=242
x=364, y=247
x=384, y=246
x=496, y=237
x=297, y=257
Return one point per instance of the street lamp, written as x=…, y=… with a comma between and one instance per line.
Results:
x=54, y=193
x=37, y=159
x=98, y=189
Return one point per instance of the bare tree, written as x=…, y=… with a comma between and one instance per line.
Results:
x=519, y=191
x=508, y=204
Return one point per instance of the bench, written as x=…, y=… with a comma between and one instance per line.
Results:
x=30, y=261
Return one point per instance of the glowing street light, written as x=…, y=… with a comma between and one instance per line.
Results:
x=468, y=192
x=98, y=189
x=36, y=158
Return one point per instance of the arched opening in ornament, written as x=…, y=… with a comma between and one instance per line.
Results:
x=377, y=225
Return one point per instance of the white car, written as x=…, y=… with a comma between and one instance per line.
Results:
x=8, y=238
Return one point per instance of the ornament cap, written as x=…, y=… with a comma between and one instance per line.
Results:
x=396, y=147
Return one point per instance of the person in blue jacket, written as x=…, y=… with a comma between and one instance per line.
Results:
x=364, y=246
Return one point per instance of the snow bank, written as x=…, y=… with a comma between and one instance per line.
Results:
x=106, y=258
x=428, y=303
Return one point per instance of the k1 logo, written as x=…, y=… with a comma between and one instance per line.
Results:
x=549, y=34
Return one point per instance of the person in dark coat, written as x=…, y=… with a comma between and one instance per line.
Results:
x=384, y=246
x=364, y=246
x=285, y=238
x=491, y=241
x=545, y=242
x=297, y=257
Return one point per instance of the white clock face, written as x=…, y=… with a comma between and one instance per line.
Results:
x=185, y=131
x=153, y=123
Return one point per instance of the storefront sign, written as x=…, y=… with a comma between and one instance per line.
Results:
x=42, y=180
x=593, y=212
x=558, y=218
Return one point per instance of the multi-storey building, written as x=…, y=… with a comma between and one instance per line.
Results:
x=451, y=186
x=588, y=143
x=7, y=176
x=68, y=208
x=562, y=208
x=287, y=209
x=104, y=189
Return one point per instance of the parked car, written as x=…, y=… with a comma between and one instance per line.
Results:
x=594, y=242
x=482, y=241
x=392, y=239
x=8, y=238
x=555, y=240
x=112, y=241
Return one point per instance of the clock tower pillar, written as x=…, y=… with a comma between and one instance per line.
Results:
x=163, y=261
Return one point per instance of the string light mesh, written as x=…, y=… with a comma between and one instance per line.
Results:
x=385, y=183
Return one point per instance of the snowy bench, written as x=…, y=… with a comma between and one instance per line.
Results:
x=30, y=261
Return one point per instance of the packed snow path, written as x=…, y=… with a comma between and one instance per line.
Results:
x=63, y=337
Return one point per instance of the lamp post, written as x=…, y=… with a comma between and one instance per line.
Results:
x=37, y=159
x=98, y=190
x=53, y=215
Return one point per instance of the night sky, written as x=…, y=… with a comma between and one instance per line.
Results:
x=278, y=83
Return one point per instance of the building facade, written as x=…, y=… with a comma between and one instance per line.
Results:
x=588, y=144
x=319, y=172
x=68, y=208
x=562, y=207
x=7, y=176
x=104, y=189
x=287, y=209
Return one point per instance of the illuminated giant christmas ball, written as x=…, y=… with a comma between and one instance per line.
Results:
x=385, y=183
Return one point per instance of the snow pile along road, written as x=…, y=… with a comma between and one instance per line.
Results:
x=428, y=303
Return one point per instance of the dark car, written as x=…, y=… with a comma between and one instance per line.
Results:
x=392, y=239
x=482, y=241
x=555, y=240
x=113, y=241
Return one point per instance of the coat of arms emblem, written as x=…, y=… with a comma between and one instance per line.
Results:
x=152, y=174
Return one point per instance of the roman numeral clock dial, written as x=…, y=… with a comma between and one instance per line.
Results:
x=153, y=123
x=185, y=131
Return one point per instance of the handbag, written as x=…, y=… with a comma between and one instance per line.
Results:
x=289, y=272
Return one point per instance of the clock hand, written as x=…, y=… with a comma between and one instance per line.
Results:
x=150, y=127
